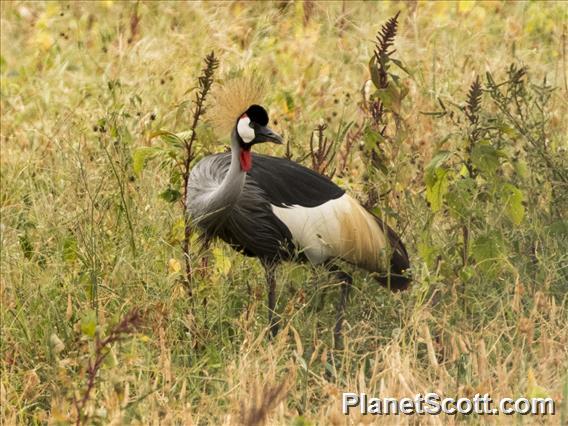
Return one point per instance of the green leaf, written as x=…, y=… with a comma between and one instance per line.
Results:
x=301, y=421
x=402, y=66
x=185, y=135
x=466, y=274
x=111, y=360
x=461, y=197
x=139, y=157
x=486, y=249
x=439, y=159
x=171, y=138
x=26, y=246
x=436, y=186
x=391, y=97
x=513, y=199
x=177, y=231
x=374, y=70
x=170, y=195
x=485, y=158
x=289, y=99
x=427, y=252
x=521, y=168
x=70, y=249
x=372, y=138
x=175, y=177
x=559, y=228
x=89, y=323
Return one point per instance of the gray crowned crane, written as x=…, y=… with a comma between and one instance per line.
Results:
x=278, y=210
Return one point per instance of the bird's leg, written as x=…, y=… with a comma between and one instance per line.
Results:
x=273, y=318
x=346, y=282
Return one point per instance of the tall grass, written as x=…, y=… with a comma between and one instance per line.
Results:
x=91, y=230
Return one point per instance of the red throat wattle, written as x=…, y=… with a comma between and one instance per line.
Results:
x=246, y=160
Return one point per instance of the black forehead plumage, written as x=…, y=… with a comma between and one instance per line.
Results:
x=257, y=114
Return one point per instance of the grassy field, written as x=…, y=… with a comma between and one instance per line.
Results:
x=473, y=177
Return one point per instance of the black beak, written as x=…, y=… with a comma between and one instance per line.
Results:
x=265, y=134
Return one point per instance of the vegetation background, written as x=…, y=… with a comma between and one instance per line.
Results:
x=97, y=327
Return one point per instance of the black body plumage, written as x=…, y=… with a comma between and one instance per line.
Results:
x=250, y=226
x=275, y=181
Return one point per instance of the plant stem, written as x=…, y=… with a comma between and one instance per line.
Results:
x=205, y=83
x=123, y=200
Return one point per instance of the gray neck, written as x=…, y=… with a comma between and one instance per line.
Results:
x=227, y=194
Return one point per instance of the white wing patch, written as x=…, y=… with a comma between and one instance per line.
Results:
x=311, y=228
x=339, y=228
x=245, y=131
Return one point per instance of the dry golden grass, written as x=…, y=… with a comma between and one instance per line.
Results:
x=85, y=238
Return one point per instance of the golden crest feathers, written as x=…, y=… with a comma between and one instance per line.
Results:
x=233, y=98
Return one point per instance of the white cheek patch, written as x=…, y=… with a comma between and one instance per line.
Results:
x=244, y=130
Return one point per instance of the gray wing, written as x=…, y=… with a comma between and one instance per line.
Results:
x=204, y=179
x=249, y=225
